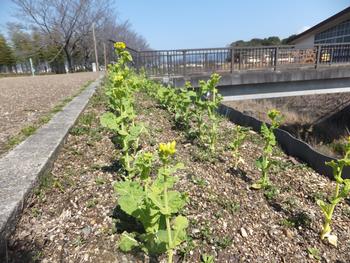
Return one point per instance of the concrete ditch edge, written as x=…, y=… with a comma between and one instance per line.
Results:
x=21, y=168
x=289, y=144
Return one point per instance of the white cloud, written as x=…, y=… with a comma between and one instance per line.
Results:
x=304, y=28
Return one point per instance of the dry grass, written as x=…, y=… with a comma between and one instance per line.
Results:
x=317, y=119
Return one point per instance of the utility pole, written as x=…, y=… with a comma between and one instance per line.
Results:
x=104, y=55
x=96, y=56
x=31, y=66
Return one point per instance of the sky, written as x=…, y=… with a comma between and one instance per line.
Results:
x=177, y=24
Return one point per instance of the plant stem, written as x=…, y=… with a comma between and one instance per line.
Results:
x=167, y=221
x=328, y=218
x=235, y=158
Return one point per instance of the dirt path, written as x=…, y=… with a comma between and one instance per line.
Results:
x=23, y=100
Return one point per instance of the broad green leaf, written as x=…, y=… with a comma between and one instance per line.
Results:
x=109, y=120
x=131, y=196
x=179, y=234
x=157, y=200
x=127, y=241
x=176, y=202
x=155, y=244
x=150, y=218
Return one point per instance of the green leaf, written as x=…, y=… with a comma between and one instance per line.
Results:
x=155, y=243
x=325, y=207
x=179, y=233
x=167, y=171
x=128, y=242
x=109, y=120
x=176, y=202
x=158, y=184
x=264, y=130
x=131, y=196
x=158, y=200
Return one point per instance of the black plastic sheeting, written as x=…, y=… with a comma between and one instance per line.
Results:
x=289, y=144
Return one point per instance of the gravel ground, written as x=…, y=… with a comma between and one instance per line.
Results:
x=23, y=100
x=71, y=216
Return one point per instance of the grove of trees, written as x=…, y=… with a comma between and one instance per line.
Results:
x=57, y=34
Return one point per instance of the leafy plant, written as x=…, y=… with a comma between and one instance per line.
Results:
x=194, y=109
x=142, y=165
x=155, y=205
x=122, y=84
x=342, y=190
x=205, y=258
x=128, y=136
x=239, y=138
x=264, y=162
x=207, y=102
x=183, y=107
x=271, y=192
x=314, y=253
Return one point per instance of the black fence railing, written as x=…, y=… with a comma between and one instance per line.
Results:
x=227, y=60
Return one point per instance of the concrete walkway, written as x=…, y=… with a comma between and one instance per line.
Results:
x=21, y=168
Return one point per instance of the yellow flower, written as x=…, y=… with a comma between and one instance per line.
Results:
x=167, y=149
x=119, y=45
x=118, y=78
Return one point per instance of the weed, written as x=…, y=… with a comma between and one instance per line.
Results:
x=342, y=190
x=100, y=180
x=199, y=181
x=35, y=212
x=206, y=233
x=205, y=258
x=37, y=256
x=300, y=219
x=91, y=203
x=239, y=138
x=264, y=162
x=291, y=202
x=287, y=223
x=223, y=242
x=271, y=192
x=87, y=119
x=314, y=253
x=79, y=130
x=229, y=205
x=79, y=241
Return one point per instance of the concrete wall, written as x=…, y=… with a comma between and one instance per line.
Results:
x=257, y=77
x=284, y=89
x=308, y=41
x=290, y=145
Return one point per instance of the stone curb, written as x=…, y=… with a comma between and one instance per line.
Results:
x=21, y=168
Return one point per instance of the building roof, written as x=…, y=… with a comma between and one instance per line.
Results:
x=325, y=24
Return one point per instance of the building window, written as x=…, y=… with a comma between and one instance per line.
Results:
x=337, y=34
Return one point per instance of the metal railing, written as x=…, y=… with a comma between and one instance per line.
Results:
x=227, y=60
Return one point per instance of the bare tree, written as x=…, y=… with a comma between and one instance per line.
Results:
x=67, y=25
x=66, y=22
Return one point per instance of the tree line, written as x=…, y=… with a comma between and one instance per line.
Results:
x=57, y=35
x=268, y=41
